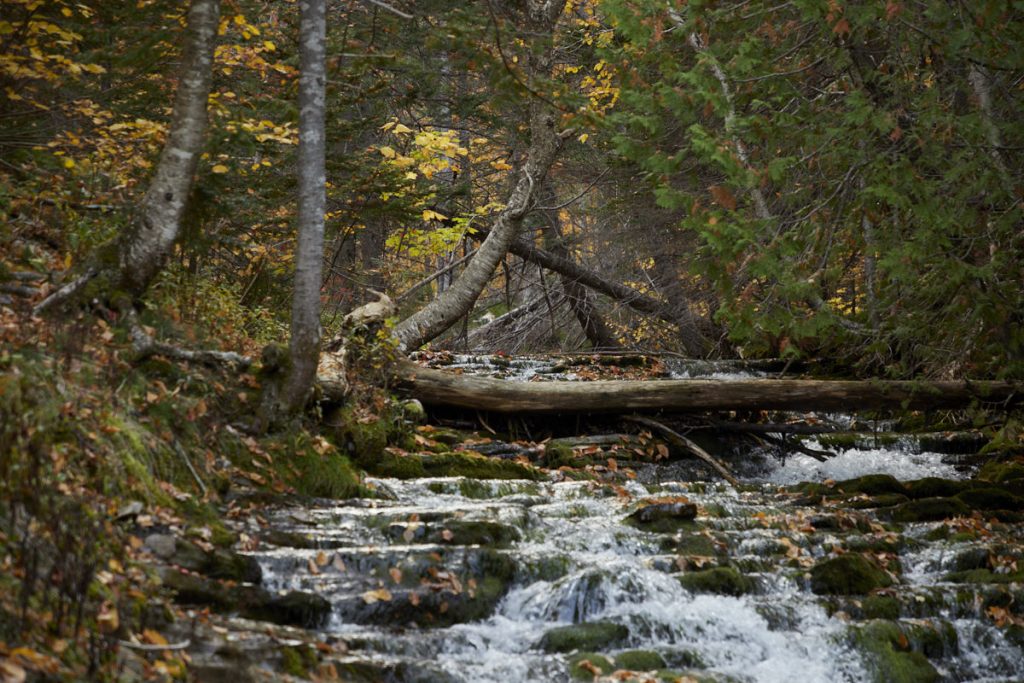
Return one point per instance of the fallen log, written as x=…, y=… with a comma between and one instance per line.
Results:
x=437, y=387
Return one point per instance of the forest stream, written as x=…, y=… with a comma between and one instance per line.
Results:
x=868, y=566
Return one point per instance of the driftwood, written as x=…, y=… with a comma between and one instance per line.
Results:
x=437, y=387
x=685, y=443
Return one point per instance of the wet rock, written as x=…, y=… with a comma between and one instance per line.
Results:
x=720, y=580
x=1002, y=472
x=413, y=411
x=585, y=666
x=595, y=635
x=888, y=654
x=231, y=566
x=640, y=660
x=850, y=574
x=930, y=510
x=293, y=609
x=825, y=522
x=872, y=485
x=990, y=499
x=935, y=487
x=663, y=517
x=880, y=607
x=690, y=545
x=984, y=576
x=884, y=500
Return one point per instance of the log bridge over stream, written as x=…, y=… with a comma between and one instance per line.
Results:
x=445, y=388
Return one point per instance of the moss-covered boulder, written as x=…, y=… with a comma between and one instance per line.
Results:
x=850, y=574
x=930, y=510
x=720, y=580
x=872, y=485
x=640, y=660
x=1002, y=471
x=881, y=607
x=990, y=498
x=887, y=652
x=884, y=500
x=664, y=516
x=935, y=487
x=586, y=666
x=984, y=576
x=594, y=635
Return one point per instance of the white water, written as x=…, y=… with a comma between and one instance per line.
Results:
x=856, y=463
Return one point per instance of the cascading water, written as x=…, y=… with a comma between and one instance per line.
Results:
x=447, y=579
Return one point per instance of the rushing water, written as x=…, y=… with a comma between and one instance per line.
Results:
x=452, y=580
x=577, y=562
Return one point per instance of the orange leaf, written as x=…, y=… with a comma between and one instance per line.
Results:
x=841, y=28
x=723, y=197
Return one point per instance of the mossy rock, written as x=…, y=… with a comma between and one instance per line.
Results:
x=887, y=653
x=884, y=500
x=872, y=485
x=663, y=517
x=983, y=576
x=558, y=455
x=594, y=635
x=930, y=510
x=935, y=487
x=990, y=499
x=690, y=544
x=881, y=607
x=1001, y=472
x=582, y=666
x=640, y=660
x=475, y=466
x=296, y=608
x=719, y=580
x=362, y=436
x=850, y=574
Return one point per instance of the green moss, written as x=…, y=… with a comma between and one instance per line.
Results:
x=885, y=648
x=327, y=475
x=881, y=607
x=872, y=485
x=363, y=437
x=935, y=487
x=884, y=500
x=720, y=580
x=850, y=574
x=589, y=636
x=691, y=544
x=476, y=467
x=640, y=660
x=999, y=472
x=983, y=576
x=293, y=663
x=558, y=455
x=930, y=509
x=582, y=665
x=990, y=498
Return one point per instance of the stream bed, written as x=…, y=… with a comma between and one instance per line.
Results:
x=449, y=579
x=890, y=562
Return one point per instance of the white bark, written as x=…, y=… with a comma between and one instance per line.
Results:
x=147, y=247
x=304, y=348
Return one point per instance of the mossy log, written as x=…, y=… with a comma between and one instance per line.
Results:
x=437, y=387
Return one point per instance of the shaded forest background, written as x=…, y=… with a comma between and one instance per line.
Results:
x=819, y=179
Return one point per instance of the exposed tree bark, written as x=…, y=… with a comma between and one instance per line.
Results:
x=304, y=347
x=577, y=296
x=628, y=296
x=437, y=387
x=448, y=308
x=144, y=249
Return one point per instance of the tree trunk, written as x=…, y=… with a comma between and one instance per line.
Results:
x=639, y=302
x=436, y=387
x=577, y=296
x=145, y=250
x=448, y=308
x=304, y=348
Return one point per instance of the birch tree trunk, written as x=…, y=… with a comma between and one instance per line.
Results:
x=304, y=347
x=145, y=250
x=449, y=307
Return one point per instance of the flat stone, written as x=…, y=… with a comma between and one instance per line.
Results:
x=161, y=545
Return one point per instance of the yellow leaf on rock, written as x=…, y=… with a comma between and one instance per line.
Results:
x=387, y=152
x=379, y=595
x=220, y=168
